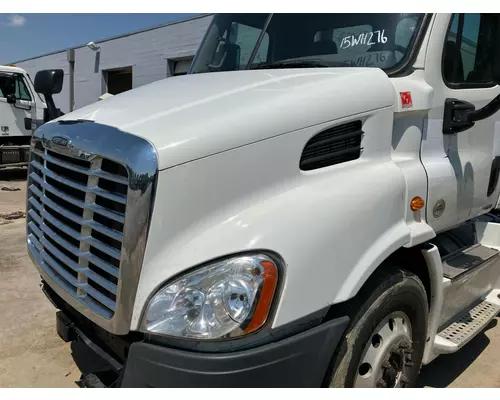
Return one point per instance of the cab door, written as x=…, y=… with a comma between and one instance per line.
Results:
x=462, y=167
x=15, y=118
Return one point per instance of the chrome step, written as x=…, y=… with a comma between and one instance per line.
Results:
x=466, y=260
x=468, y=324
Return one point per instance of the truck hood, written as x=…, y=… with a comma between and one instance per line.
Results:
x=195, y=116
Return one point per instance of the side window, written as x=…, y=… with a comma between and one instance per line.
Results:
x=404, y=32
x=22, y=92
x=6, y=85
x=469, y=49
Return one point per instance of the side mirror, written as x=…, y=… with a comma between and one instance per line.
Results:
x=230, y=59
x=11, y=98
x=49, y=82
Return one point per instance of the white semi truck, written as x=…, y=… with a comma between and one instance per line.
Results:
x=310, y=206
x=22, y=111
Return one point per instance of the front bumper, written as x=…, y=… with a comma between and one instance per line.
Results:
x=298, y=361
x=301, y=360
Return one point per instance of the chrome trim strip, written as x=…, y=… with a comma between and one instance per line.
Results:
x=90, y=141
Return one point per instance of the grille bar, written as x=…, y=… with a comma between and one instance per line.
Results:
x=92, y=224
x=71, y=232
x=54, y=236
x=71, y=183
x=72, y=249
x=100, y=297
x=112, y=288
x=98, y=172
x=36, y=231
x=70, y=199
x=61, y=270
x=88, y=302
x=76, y=240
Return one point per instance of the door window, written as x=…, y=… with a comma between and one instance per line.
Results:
x=22, y=92
x=6, y=85
x=469, y=49
x=14, y=84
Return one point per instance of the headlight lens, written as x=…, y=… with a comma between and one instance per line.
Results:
x=229, y=298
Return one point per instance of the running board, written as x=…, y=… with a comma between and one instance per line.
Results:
x=465, y=261
x=467, y=325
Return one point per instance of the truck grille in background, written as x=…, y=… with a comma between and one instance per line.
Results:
x=76, y=213
x=332, y=146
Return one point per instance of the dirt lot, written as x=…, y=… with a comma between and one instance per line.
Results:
x=32, y=355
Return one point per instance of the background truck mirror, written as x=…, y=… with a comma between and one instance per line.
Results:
x=11, y=99
x=49, y=81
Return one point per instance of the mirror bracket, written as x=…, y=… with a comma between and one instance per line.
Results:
x=461, y=115
x=487, y=111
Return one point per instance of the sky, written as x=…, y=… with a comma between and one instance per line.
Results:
x=28, y=35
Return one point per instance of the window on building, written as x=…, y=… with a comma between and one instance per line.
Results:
x=117, y=80
x=469, y=49
x=178, y=66
x=181, y=67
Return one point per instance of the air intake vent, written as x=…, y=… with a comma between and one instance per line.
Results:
x=333, y=146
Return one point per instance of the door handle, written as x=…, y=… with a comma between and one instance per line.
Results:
x=456, y=116
x=27, y=123
x=494, y=174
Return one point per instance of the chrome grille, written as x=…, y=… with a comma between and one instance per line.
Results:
x=76, y=215
x=89, y=205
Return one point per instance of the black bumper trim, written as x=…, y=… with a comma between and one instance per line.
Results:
x=68, y=332
x=298, y=361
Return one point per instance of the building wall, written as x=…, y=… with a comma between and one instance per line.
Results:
x=148, y=53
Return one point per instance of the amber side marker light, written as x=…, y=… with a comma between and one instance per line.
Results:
x=264, y=305
x=417, y=203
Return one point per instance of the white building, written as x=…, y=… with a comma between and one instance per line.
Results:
x=122, y=62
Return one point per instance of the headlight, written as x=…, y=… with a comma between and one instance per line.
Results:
x=229, y=298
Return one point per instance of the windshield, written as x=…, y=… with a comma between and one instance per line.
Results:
x=252, y=41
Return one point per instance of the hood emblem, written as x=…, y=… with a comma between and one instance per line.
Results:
x=61, y=141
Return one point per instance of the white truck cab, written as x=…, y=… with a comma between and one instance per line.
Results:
x=312, y=205
x=22, y=110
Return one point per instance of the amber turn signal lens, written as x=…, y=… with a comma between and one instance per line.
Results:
x=264, y=305
x=417, y=203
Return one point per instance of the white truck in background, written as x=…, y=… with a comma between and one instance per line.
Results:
x=22, y=111
x=310, y=206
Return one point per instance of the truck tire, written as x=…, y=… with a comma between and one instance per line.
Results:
x=385, y=340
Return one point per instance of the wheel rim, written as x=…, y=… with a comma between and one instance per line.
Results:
x=386, y=358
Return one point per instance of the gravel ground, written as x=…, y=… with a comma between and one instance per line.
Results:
x=32, y=355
